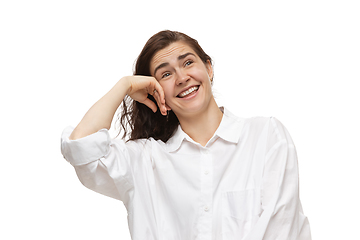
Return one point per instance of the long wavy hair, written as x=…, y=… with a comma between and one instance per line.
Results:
x=136, y=119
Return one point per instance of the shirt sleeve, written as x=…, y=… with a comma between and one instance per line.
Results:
x=282, y=216
x=101, y=164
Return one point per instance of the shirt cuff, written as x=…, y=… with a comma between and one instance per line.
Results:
x=87, y=149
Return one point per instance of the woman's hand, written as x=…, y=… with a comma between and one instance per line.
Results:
x=100, y=115
x=141, y=86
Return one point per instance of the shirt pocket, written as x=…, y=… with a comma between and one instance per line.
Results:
x=240, y=211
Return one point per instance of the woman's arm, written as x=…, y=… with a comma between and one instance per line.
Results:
x=102, y=164
x=282, y=215
x=100, y=115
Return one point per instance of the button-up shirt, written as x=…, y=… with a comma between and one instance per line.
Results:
x=243, y=184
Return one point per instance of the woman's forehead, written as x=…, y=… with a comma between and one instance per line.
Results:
x=172, y=51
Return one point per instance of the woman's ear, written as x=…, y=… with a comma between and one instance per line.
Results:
x=209, y=70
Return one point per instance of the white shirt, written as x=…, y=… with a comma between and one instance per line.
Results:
x=242, y=185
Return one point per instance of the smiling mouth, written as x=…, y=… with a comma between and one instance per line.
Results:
x=188, y=92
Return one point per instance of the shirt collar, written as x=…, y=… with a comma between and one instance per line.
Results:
x=229, y=129
x=175, y=141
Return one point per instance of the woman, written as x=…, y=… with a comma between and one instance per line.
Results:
x=191, y=170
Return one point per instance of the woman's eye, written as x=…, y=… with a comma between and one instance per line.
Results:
x=165, y=75
x=187, y=63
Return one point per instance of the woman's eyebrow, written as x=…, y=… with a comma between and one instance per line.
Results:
x=160, y=66
x=185, y=55
x=166, y=63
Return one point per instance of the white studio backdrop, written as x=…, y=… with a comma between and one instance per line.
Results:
x=298, y=61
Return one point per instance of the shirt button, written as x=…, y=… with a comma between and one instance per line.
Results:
x=206, y=172
x=206, y=209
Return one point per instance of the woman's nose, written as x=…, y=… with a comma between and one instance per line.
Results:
x=182, y=77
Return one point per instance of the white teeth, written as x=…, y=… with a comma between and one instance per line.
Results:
x=187, y=92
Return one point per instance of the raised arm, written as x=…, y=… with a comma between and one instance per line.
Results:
x=100, y=115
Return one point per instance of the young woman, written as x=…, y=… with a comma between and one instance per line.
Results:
x=191, y=170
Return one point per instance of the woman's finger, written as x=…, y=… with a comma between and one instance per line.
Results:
x=158, y=101
x=150, y=104
x=160, y=91
x=159, y=96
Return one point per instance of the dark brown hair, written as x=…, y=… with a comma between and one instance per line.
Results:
x=141, y=120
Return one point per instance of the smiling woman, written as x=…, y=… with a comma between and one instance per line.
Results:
x=185, y=79
x=190, y=170
x=165, y=56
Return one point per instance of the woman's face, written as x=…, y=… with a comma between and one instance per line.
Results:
x=184, y=77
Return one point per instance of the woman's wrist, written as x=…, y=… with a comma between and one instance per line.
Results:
x=125, y=84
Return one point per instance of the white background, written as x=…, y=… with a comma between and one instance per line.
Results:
x=298, y=61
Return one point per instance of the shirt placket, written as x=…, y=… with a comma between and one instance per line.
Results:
x=205, y=223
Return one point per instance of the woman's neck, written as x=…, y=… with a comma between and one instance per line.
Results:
x=201, y=127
